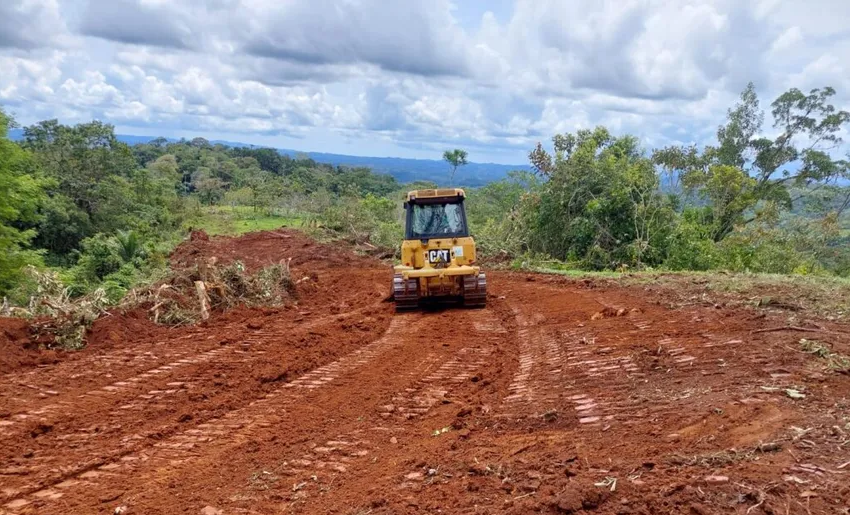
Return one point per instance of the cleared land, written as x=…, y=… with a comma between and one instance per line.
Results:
x=565, y=395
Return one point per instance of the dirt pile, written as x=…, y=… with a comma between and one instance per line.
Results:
x=260, y=249
x=17, y=346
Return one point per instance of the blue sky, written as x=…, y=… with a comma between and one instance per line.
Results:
x=412, y=78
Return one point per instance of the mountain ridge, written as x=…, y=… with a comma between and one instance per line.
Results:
x=402, y=168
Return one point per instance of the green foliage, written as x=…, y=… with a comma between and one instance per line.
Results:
x=105, y=213
x=129, y=246
x=99, y=257
x=497, y=214
x=600, y=204
x=691, y=246
x=795, y=246
x=745, y=174
x=455, y=158
x=21, y=192
x=369, y=220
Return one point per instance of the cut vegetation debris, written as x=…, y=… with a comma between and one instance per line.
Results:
x=63, y=320
x=184, y=297
x=794, y=394
x=832, y=360
x=188, y=296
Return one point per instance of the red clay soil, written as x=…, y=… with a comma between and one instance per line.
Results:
x=559, y=397
x=17, y=348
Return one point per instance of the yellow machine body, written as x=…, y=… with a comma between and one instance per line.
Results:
x=438, y=255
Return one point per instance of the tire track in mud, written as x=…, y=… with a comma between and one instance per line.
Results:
x=590, y=376
x=597, y=379
x=235, y=424
x=420, y=397
x=152, y=391
x=560, y=371
x=108, y=393
x=334, y=453
x=96, y=370
x=330, y=458
x=432, y=389
x=173, y=359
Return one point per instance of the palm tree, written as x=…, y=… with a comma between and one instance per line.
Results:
x=129, y=245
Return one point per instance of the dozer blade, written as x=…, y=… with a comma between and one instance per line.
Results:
x=475, y=291
x=405, y=293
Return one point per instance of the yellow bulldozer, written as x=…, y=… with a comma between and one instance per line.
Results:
x=437, y=255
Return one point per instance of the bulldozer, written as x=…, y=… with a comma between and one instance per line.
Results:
x=437, y=254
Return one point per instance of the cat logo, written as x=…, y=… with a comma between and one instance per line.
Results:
x=438, y=256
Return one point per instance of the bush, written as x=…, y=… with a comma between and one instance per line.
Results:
x=690, y=245
x=100, y=256
x=373, y=220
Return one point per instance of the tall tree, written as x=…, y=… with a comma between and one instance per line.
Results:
x=79, y=158
x=455, y=158
x=21, y=193
x=745, y=174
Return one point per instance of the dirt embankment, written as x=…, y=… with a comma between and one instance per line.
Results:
x=307, y=259
x=18, y=347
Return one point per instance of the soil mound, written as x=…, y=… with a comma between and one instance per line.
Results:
x=18, y=347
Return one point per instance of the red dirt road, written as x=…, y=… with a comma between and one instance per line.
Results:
x=545, y=402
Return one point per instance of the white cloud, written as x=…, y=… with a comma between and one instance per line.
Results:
x=30, y=24
x=370, y=74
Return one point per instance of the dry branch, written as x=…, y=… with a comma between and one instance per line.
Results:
x=792, y=328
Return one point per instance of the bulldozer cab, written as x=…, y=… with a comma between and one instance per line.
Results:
x=437, y=254
x=435, y=217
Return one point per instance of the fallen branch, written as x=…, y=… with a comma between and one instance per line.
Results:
x=203, y=299
x=792, y=328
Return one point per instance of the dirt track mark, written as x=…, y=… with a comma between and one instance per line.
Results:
x=235, y=424
x=560, y=368
x=433, y=388
x=154, y=390
x=108, y=392
x=523, y=390
x=330, y=457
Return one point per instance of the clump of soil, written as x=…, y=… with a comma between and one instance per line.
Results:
x=115, y=329
x=18, y=347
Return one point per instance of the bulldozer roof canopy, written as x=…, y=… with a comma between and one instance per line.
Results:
x=442, y=193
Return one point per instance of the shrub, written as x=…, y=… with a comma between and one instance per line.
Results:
x=100, y=257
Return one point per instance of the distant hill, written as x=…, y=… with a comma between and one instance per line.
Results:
x=403, y=169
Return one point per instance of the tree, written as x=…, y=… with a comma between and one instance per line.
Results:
x=455, y=158
x=210, y=189
x=79, y=157
x=746, y=175
x=600, y=204
x=129, y=245
x=21, y=193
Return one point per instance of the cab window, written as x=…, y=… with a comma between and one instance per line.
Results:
x=436, y=220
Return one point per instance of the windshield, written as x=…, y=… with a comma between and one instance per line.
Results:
x=436, y=220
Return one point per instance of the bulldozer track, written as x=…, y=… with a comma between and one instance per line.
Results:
x=184, y=444
x=151, y=388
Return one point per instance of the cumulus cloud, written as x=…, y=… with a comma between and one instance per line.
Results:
x=367, y=74
x=30, y=24
x=416, y=36
x=136, y=22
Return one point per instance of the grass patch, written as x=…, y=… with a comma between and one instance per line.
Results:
x=825, y=296
x=238, y=220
